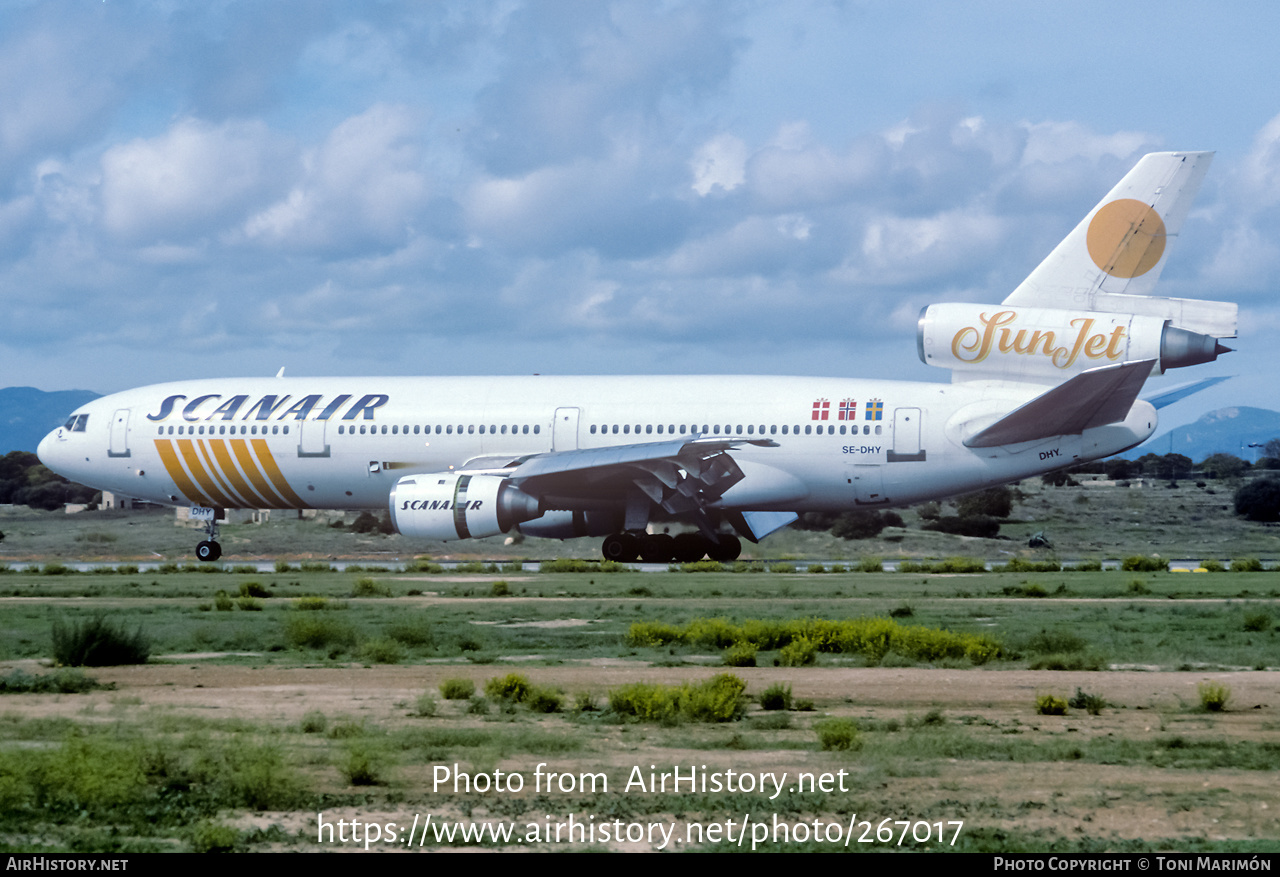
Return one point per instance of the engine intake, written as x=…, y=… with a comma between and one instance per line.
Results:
x=450, y=506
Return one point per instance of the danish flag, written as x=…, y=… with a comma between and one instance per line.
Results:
x=821, y=409
x=848, y=410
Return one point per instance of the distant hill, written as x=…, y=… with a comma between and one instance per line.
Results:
x=27, y=414
x=1225, y=431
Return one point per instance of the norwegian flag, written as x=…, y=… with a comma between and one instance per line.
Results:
x=821, y=409
x=875, y=410
x=848, y=410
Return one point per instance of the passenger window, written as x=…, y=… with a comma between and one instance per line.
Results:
x=877, y=429
x=784, y=429
x=648, y=430
x=362, y=430
x=808, y=430
x=627, y=429
x=659, y=429
x=536, y=429
x=275, y=430
x=471, y=430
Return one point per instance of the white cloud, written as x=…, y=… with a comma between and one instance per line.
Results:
x=190, y=181
x=720, y=162
x=361, y=188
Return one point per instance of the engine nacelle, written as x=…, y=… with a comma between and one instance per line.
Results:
x=563, y=524
x=1017, y=343
x=448, y=506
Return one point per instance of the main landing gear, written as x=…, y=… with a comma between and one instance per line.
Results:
x=662, y=548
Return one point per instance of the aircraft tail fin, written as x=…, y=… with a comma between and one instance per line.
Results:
x=1092, y=398
x=1111, y=261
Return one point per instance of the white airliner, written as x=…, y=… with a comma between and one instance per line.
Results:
x=1046, y=379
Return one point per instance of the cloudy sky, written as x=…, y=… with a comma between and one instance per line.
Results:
x=225, y=188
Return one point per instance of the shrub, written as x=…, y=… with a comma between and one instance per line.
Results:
x=542, y=699
x=367, y=587
x=1246, y=564
x=1138, y=563
x=249, y=604
x=837, y=734
x=1138, y=587
x=253, y=589
x=800, y=652
x=1259, y=500
x=782, y=567
x=222, y=601
x=1051, y=705
x=361, y=766
x=382, y=650
x=1093, y=704
x=1214, y=696
x=60, y=682
x=97, y=642
x=870, y=564
x=210, y=837
x=311, y=604
x=283, y=566
x=315, y=631
x=776, y=697
x=719, y=699
x=500, y=589
x=994, y=502
x=1212, y=566
x=740, y=655
x=423, y=564
x=314, y=722
x=457, y=689
x=513, y=687
x=1258, y=622
x=1020, y=564
x=412, y=632
x=653, y=634
x=1047, y=642
x=315, y=566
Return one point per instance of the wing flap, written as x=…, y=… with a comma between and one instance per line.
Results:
x=1092, y=398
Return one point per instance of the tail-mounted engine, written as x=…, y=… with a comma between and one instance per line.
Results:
x=1047, y=344
x=449, y=506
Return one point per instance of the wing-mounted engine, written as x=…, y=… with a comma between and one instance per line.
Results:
x=449, y=506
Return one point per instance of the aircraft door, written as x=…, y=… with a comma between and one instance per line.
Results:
x=564, y=431
x=906, y=436
x=119, y=440
x=311, y=439
x=868, y=484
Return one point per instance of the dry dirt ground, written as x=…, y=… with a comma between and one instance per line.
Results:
x=1064, y=799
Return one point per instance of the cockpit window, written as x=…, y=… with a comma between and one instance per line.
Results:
x=76, y=423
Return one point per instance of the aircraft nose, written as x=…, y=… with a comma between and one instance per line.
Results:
x=49, y=450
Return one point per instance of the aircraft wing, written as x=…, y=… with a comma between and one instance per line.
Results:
x=1092, y=398
x=681, y=475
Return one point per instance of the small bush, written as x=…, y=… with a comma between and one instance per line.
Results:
x=361, y=766
x=425, y=705
x=1047, y=642
x=412, y=632
x=1212, y=566
x=314, y=722
x=317, y=631
x=513, y=687
x=800, y=652
x=97, y=642
x=311, y=604
x=1138, y=588
x=1093, y=704
x=1214, y=696
x=1138, y=563
x=870, y=564
x=740, y=655
x=1051, y=705
x=222, y=601
x=719, y=699
x=776, y=697
x=283, y=566
x=382, y=650
x=782, y=567
x=837, y=734
x=541, y=699
x=60, y=682
x=253, y=589
x=903, y=610
x=249, y=604
x=210, y=837
x=457, y=689
x=367, y=587
x=1258, y=622
x=1246, y=564
x=500, y=589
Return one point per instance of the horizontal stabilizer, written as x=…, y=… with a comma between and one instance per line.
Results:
x=1092, y=398
x=1182, y=391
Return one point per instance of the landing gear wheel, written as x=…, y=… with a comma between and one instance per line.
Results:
x=659, y=548
x=621, y=548
x=208, y=551
x=690, y=547
x=727, y=547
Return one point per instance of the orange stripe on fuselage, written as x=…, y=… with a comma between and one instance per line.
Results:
x=187, y=447
x=273, y=472
x=240, y=448
x=233, y=474
x=173, y=466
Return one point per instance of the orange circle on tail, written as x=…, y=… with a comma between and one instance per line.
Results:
x=1126, y=238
